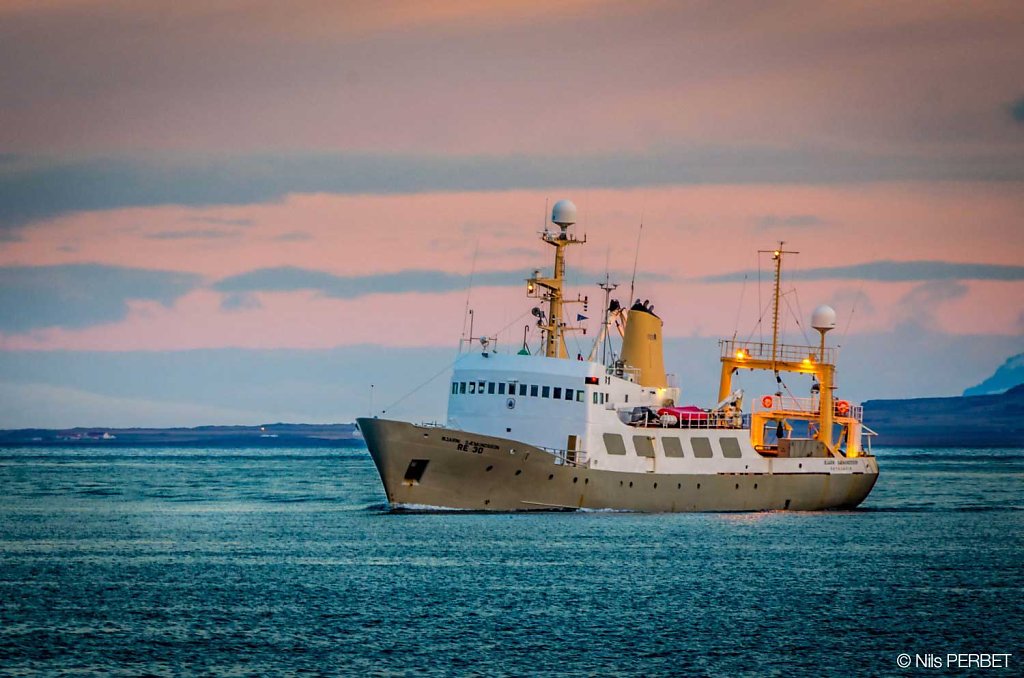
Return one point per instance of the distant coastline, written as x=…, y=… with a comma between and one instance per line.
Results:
x=267, y=435
x=960, y=421
x=963, y=421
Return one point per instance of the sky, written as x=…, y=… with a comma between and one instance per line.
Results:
x=245, y=212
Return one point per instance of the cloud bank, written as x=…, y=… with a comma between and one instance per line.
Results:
x=80, y=295
x=890, y=271
x=34, y=190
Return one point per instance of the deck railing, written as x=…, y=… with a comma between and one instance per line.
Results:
x=698, y=420
x=624, y=372
x=568, y=457
x=755, y=350
x=809, y=407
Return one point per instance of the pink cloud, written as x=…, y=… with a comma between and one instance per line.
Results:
x=689, y=232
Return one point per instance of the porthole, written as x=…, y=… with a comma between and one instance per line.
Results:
x=655, y=485
x=575, y=479
x=586, y=481
x=755, y=486
x=698, y=486
x=551, y=476
x=519, y=472
x=620, y=483
x=488, y=468
x=737, y=486
x=679, y=486
x=631, y=483
x=487, y=502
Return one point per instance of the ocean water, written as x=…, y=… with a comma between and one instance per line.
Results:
x=278, y=562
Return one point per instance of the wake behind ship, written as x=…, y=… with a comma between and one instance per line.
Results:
x=607, y=431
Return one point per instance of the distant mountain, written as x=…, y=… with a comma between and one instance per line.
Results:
x=268, y=435
x=965, y=421
x=1009, y=374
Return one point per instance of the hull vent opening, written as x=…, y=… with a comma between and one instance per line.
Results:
x=414, y=473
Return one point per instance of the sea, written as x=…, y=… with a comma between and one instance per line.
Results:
x=271, y=562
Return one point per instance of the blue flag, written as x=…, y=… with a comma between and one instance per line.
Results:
x=580, y=317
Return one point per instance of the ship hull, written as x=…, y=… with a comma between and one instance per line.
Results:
x=436, y=467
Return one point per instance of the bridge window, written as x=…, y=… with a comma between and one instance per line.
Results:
x=558, y=393
x=673, y=447
x=501, y=388
x=512, y=388
x=522, y=389
x=472, y=387
x=579, y=396
x=596, y=394
x=534, y=389
x=490, y=387
x=462, y=387
x=455, y=387
x=644, y=446
x=480, y=387
x=568, y=394
x=614, y=444
x=730, y=448
x=702, y=448
x=545, y=392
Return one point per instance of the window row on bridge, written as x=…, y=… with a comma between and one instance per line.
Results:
x=513, y=388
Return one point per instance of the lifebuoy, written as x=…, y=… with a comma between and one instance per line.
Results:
x=842, y=407
x=766, y=402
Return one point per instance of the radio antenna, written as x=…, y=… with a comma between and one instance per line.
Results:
x=467, y=314
x=636, y=258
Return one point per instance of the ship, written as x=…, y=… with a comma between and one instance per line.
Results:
x=545, y=431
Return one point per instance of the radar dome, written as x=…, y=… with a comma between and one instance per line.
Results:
x=564, y=213
x=823, y=318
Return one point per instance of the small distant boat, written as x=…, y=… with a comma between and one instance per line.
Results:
x=549, y=432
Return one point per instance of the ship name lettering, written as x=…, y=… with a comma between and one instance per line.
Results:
x=472, y=446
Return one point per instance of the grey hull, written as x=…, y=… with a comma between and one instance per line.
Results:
x=495, y=474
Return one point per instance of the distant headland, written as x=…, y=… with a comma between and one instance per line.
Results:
x=965, y=421
x=995, y=420
x=267, y=435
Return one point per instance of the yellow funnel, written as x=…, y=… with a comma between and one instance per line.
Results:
x=641, y=348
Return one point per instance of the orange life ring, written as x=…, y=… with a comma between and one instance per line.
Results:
x=766, y=402
x=843, y=408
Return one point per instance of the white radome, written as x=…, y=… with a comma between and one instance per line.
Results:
x=824, y=318
x=564, y=213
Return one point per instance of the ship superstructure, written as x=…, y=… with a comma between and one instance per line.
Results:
x=555, y=432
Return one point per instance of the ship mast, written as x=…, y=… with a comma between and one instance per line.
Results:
x=777, y=258
x=563, y=214
x=608, y=288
